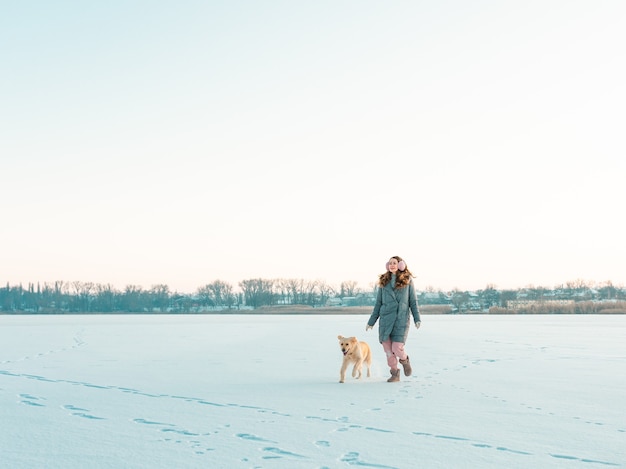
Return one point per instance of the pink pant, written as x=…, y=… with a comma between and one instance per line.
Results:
x=394, y=350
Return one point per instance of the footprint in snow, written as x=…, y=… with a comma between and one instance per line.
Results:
x=353, y=459
x=27, y=399
x=80, y=412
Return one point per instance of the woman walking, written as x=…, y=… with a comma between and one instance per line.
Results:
x=395, y=298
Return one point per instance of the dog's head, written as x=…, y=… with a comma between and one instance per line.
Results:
x=346, y=344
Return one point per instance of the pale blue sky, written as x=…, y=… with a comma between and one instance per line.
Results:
x=183, y=142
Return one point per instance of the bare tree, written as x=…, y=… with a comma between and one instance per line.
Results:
x=506, y=296
x=459, y=299
x=309, y=293
x=348, y=288
x=281, y=290
x=257, y=292
x=221, y=292
x=105, y=298
x=491, y=296
x=82, y=295
x=294, y=289
x=132, y=298
x=577, y=285
x=160, y=296
x=205, y=296
x=325, y=291
x=608, y=290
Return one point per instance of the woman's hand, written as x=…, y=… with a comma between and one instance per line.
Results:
x=368, y=328
x=418, y=324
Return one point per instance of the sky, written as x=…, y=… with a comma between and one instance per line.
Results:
x=148, y=142
x=174, y=391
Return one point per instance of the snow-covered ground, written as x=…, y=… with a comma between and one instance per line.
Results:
x=246, y=391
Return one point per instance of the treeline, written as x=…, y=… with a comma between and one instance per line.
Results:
x=88, y=297
x=574, y=297
x=574, y=307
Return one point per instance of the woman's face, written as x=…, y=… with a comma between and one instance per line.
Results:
x=393, y=265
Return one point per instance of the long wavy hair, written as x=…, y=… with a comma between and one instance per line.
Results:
x=403, y=278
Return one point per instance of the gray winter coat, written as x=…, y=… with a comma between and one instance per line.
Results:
x=392, y=307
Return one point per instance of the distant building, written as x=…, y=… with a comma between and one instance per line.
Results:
x=334, y=302
x=434, y=298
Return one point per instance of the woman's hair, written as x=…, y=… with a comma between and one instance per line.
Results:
x=403, y=277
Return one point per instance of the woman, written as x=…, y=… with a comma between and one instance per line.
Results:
x=396, y=297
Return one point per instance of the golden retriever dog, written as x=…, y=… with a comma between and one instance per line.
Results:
x=354, y=352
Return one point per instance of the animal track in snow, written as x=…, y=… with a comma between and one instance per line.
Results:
x=354, y=459
x=276, y=453
x=511, y=450
x=80, y=412
x=247, y=436
x=27, y=399
x=78, y=342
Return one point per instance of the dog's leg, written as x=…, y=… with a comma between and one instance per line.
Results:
x=342, y=372
x=357, y=368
